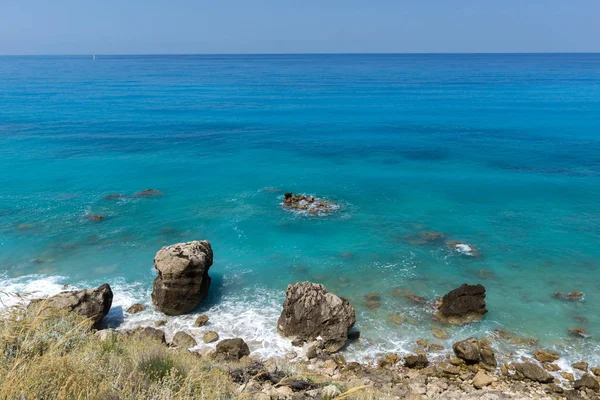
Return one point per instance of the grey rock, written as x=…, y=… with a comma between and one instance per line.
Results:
x=534, y=372
x=310, y=312
x=587, y=381
x=467, y=350
x=182, y=282
x=147, y=333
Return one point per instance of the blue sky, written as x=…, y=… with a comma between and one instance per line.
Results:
x=297, y=26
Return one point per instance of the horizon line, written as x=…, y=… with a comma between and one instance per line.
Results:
x=295, y=54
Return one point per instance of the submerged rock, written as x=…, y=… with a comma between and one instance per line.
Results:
x=148, y=193
x=96, y=217
x=572, y=296
x=578, y=332
x=113, y=196
x=423, y=238
x=463, y=305
x=232, y=349
x=182, y=282
x=90, y=303
x=310, y=312
x=581, y=365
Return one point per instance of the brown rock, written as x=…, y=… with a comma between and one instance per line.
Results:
x=232, y=349
x=210, y=337
x=581, y=365
x=551, y=367
x=439, y=333
x=533, y=372
x=396, y=319
x=148, y=193
x=182, y=282
x=183, y=340
x=136, y=308
x=482, y=379
x=568, y=376
x=587, y=381
x=463, y=305
x=578, y=332
x=467, y=350
x=546, y=356
x=596, y=371
x=201, y=320
x=372, y=296
x=416, y=361
x=96, y=217
x=147, y=333
x=572, y=296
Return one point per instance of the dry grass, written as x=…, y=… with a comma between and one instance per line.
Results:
x=55, y=356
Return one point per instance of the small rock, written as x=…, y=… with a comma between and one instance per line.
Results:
x=232, y=349
x=587, y=381
x=388, y=360
x=210, y=337
x=201, y=320
x=581, y=365
x=439, y=333
x=183, y=340
x=551, y=367
x=106, y=334
x=113, y=196
x=572, y=296
x=147, y=333
x=148, y=193
x=546, y=356
x=416, y=361
x=96, y=217
x=482, y=379
x=136, y=308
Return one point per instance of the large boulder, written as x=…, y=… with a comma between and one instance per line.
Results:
x=90, y=303
x=587, y=381
x=182, y=281
x=232, y=349
x=473, y=351
x=462, y=305
x=533, y=372
x=311, y=313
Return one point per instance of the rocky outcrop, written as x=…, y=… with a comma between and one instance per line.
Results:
x=310, y=312
x=90, y=303
x=463, y=305
x=473, y=351
x=533, y=372
x=587, y=381
x=232, y=349
x=183, y=280
x=307, y=203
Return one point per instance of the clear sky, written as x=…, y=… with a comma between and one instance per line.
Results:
x=297, y=26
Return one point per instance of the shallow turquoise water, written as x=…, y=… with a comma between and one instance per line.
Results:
x=498, y=151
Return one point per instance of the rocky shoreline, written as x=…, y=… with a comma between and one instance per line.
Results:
x=319, y=325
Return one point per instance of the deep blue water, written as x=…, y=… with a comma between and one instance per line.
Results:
x=498, y=151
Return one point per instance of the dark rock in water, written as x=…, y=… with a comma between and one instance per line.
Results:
x=147, y=333
x=572, y=296
x=90, y=303
x=533, y=372
x=183, y=280
x=423, y=238
x=307, y=203
x=416, y=361
x=463, y=305
x=311, y=312
x=148, y=193
x=96, y=217
x=467, y=350
x=183, y=340
x=136, y=308
x=232, y=349
x=578, y=332
x=587, y=381
x=201, y=320
x=113, y=196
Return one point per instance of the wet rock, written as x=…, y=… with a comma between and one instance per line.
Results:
x=568, y=376
x=572, y=296
x=201, y=321
x=148, y=193
x=307, y=203
x=578, y=332
x=90, y=303
x=467, y=350
x=311, y=312
x=416, y=361
x=439, y=333
x=183, y=340
x=371, y=305
x=482, y=380
x=596, y=371
x=182, y=282
x=581, y=365
x=533, y=372
x=463, y=305
x=210, y=337
x=587, y=381
x=113, y=196
x=136, y=308
x=388, y=360
x=96, y=217
x=546, y=356
x=232, y=349
x=488, y=358
x=551, y=367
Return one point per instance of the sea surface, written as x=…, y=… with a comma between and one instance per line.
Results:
x=500, y=152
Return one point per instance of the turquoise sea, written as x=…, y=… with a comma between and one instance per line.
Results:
x=501, y=152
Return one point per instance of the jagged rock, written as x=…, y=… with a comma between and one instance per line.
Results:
x=463, y=305
x=182, y=281
x=183, y=340
x=307, y=203
x=147, y=333
x=482, y=379
x=210, y=337
x=201, y=320
x=232, y=349
x=311, y=312
x=546, y=356
x=90, y=303
x=136, y=308
x=533, y=372
x=416, y=361
x=160, y=322
x=468, y=350
x=587, y=381
x=581, y=365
